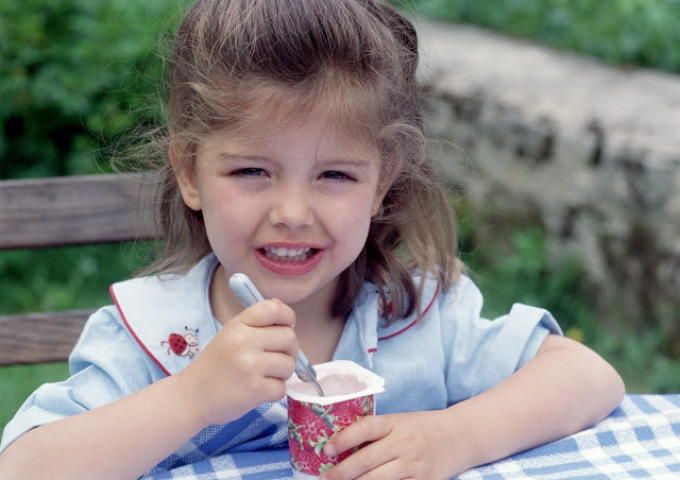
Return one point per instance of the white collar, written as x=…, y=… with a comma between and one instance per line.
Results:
x=169, y=315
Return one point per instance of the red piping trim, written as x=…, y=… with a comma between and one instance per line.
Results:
x=436, y=292
x=129, y=327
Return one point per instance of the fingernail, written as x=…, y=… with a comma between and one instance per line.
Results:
x=329, y=450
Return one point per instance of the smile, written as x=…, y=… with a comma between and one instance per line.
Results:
x=289, y=261
x=283, y=254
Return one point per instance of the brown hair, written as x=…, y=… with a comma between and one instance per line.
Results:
x=354, y=60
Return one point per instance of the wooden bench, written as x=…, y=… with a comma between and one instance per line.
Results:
x=52, y=212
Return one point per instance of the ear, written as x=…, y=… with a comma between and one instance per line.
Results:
x=185, y=174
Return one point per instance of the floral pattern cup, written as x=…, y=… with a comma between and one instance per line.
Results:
x=312, y=419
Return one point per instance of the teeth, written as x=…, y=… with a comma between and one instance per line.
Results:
x=287, y=254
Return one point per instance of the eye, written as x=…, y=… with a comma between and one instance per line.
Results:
x=249, y=172
x=335, y=175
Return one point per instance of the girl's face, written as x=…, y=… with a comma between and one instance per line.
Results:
x=291, y=210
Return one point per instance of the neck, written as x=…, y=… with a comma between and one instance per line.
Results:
x=317, y=330
x=318, y=336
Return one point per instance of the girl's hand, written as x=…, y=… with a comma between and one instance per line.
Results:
x=566, y=387
x=406, y=445
x=246, y=364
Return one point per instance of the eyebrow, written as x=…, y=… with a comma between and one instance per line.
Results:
x=357, y=162
x=224, y=156
x=360, y=162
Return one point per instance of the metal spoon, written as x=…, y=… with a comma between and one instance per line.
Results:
x=249, y=295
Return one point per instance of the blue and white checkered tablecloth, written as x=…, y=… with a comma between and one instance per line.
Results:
x=639, y=440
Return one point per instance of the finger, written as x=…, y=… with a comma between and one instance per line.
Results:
x=268, y=313
x=236, y=338
x=265, y=376
x=370, y=462
x=256, y=363
x=278, y=365
x=277, y=339
x=391, y=469
x=269, y=389
x=367, y=429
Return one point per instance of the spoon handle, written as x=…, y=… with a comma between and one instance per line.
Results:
x=245, y=290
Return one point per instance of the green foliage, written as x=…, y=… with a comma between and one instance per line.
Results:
x=626, y=32
x=65, y=278
x=523, y=273
x=637, y=359
x=73, y=76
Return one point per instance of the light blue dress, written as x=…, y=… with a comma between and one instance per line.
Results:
x=158, y=325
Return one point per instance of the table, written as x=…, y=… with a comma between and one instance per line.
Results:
x=638, y=440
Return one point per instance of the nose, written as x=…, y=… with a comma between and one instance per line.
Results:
x=292, y=208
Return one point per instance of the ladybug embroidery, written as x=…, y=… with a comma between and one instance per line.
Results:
x=185, y=345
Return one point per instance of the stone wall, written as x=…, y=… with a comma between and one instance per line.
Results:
x=589, y=152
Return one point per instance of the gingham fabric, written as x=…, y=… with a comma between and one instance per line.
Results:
x=262, y=428
x=639, y=440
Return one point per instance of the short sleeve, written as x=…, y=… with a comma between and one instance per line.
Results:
x=106, y=364
x=481, y=352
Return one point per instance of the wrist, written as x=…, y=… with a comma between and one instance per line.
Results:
x=184, y=401
x=464, y=427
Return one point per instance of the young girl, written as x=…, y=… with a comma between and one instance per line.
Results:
x=297, y=156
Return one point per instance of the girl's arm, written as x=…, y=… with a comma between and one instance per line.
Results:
x=246, y=364
x=123, y=439
x=565, y=388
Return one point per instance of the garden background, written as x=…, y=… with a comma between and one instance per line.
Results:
x=77, y=77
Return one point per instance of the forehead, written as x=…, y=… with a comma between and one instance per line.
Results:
x=349, y=107
x=322, y=138
x=258, y=114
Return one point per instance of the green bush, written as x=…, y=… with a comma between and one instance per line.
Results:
x=524, y=273
x=624, y=32
x=73, y=76
x=65, y=278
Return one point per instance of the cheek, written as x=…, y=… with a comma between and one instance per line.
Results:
x=352, y=220
x=226, y=218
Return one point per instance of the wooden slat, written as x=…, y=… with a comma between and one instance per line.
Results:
x=61, y=211
x=40, y=337
x=69, y=211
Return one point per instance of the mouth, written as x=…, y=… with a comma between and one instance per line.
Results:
x=284, y=254
x=290, y=260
